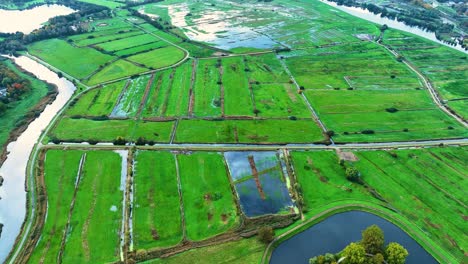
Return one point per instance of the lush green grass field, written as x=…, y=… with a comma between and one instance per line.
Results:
x=427, y=186
x=60, y=174
x=265, y=69
x=115, y=70
x=159, y=58
x=178, y=99
x=17, y=110
x=77, y=62
x=237, y=252
x=127, y=42
x=106, y=3
x=355, y=111
x=131, y=50
x=156, y=215
x=94, y=225
x=69, y=129
x=323, y=180
x=207, y=91
x=113, y=35
x=237, y=96
x=97, y=102
x=404, y=179
x=208, y=200
x=280, y=100
x=445, y=67
x=248, y=131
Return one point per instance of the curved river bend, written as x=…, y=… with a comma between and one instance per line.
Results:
x=12, y=193
x=334, y=233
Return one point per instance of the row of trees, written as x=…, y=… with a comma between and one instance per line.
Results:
x=370, y=250
x=15, y=87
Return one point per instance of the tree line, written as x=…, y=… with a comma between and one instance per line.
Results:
x=14, y=85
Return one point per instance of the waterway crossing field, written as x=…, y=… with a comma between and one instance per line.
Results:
x=183, y=139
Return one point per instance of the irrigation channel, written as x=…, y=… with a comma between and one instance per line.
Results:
x=14, y=170
x=335, y=232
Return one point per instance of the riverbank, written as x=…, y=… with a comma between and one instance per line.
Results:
x=17, y=119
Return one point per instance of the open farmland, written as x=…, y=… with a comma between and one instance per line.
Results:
x=87, y=209
x=77, y=62
x=208, y=199
x=204, y=130
x=157, y=219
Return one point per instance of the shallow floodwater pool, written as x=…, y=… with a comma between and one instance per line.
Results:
x=259, y=182
x=334, y=233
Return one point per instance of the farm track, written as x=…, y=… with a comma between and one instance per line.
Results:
x=428, y=85
x=192, y=87
x=314, y=113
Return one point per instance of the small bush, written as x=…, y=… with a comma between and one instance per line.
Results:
x=391, y=110
x=368, y=132
x=266, y=234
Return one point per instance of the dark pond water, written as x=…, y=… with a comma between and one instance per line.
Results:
x=275, y=197
x=334, y=233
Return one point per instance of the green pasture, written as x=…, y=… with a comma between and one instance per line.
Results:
x=116, y=70
x=131, y=99
x=159, y=58
x=156, y=216
x=237, y=96
x=208, y=200
x=207, y=89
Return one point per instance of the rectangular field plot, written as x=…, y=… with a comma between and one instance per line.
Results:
x=97, y=102
x=391, y=115
x=112, y=35
x=248, y=131
x=433, y=182
x=159, y=58
x=323, y=181
x=89, y=229
x=259, y=182
x=60, y=173
x=84, y=130
x=129, y=102
x=115, y=70
x=279, y=100
x=237, y=96
x=156, y=211
x=127, y=42
x=358, y=66
x=207, y=90
x=77, y=62
x=265, y=69
x=131, y=50
x=169, y=94
x=208, y=200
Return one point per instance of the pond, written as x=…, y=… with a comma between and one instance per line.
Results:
x=13, y=170
x=28, y=20
x=334, y=233
x=260, y=182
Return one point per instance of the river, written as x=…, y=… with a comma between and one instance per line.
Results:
x=334, y=233
x=369, y=16
x=28, y=20
x=12, y=193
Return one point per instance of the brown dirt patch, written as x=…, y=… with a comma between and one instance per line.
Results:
x=224, y=218
x=346, y=155
x=154, y=234
x=210, y=216
x=433, y=225
x=465, y=217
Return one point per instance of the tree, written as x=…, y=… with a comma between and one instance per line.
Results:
x=266, y=234
x=373, y=240
x=354, y=253
x=396, y=253
x=378, y=259
x=352, y=174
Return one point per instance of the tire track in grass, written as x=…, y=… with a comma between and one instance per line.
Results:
x=192, y=86
x=54, y=230
x=84, y=231
x=221, y=86
x=168, y=92
x=145, y=97
x=181, y=200
x=72, y=206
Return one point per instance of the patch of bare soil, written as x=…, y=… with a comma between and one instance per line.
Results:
x=346, y=155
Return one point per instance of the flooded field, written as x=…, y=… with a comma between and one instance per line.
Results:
x=260, y=183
